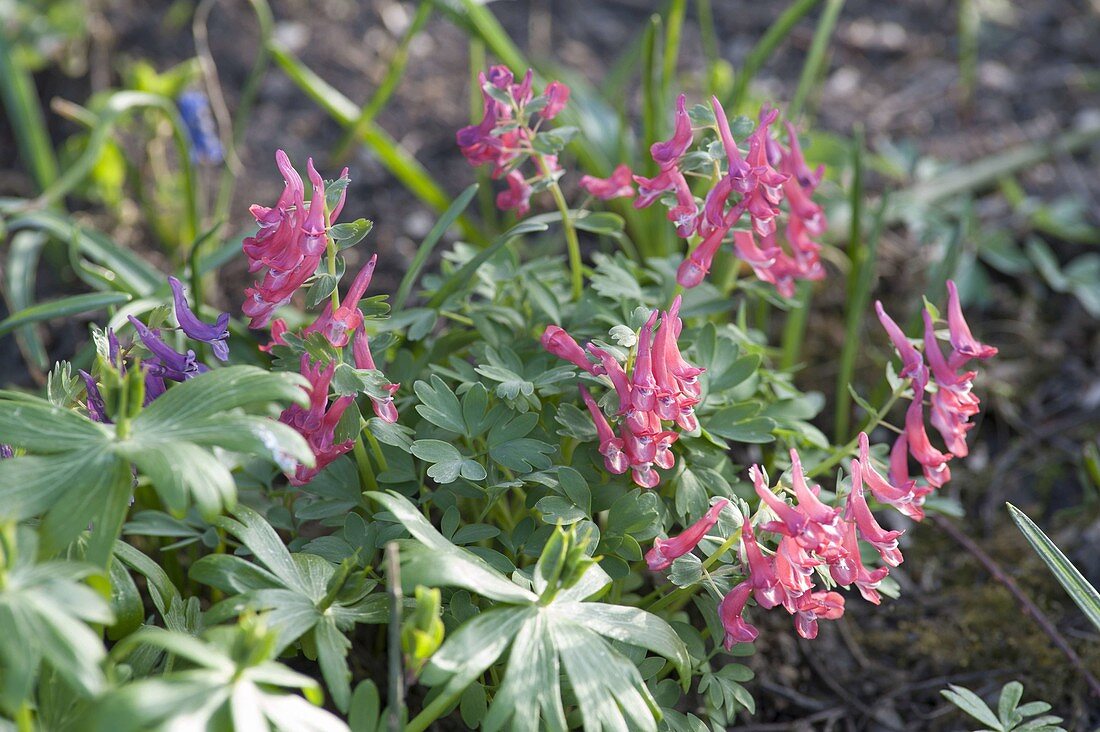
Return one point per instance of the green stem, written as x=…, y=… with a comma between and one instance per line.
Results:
x=377, y=450
x=362, y=462
x=575, y=266
x=24, y=718
x=870, y=424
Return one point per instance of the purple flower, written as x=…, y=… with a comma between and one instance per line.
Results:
x=97, y=410
x=166, y=362
x=195, y=111
x=6, y=452
x=216, y=335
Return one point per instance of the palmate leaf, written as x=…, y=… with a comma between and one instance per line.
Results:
x=547, y=633
x=230, y=680
x=302, y=594
x=45, y=612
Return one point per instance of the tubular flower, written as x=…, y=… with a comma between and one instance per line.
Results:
x=338, y=325
x=558, y=342
x=662, y=387
x=619, y=185
x=901, y=493
x=730, y=612
x=166, y=362
x=503, y=139
x=290, y=242
x=859, y=513
x=665, y=551
x=816, y=606
x=953, y=404
x=383, y=406
x=317, y=422
x=912, y=364
x=97, y=410
x=964, y=345
x=216, y=335
x=770, y=183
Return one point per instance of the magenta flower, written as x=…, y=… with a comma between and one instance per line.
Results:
x=953, y=404
x=518, y=195
x=557, y=341
x=899, y=492
x=667, y=154
x=693, y=270
x=730, y=612
x=611, y=447
x=665, y=551
x=216, y=335
x=964, y=345
x=557, y=95
x=816, y=606
x=857, y=511
x=383, y=407
x=619, y=185
x=912, y=363
x=643, y=385
x=810, y=522
x=337, y=326
x=933, y=462
x=767, y=589
x=317, y=423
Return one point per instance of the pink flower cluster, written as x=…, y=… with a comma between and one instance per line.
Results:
x=811, y=535
x=292, y=239
x=502, y=139
x=755, y=185
x=952, y=403
x=661, y=387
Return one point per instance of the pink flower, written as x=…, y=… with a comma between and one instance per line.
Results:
x=518, y=195
x=885, y=542
x=337, y=326
x=817, y=606
x=953, y=404
x=614, y=371
x=619, y=185
x=317, y=423
x=730, y=612
x=810, y=522
x=383, y=407
x=611, y=447
x=643, y=385
x=557, y=94
x=932, y=460
x=899, y=492
x=866, y=581
x=558, y=342
x=766, y=586
x=665, y=551
x=912, y=363
x=693, y=270
x=667, y=154
x=964, y=345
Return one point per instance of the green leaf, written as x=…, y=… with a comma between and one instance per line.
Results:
x=1083, y=593
x=350, y=233
x=321, y=289
x=425, y=249
x=755, y=430
x=61, y=308
x=734, y=374
x=38, y=426
x=457, y=568
x=629, y=625
x=439, y=405
x=600, y=222
x=31, y=485
x=972, y=704
x=365, y=715
x=219, y=391
x=1006, y=705
x=181, y=472
x=447, y=462
x=465, y=274
x=332, y=651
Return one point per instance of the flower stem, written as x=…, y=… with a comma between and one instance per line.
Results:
x=571, y=240
x=871, y=423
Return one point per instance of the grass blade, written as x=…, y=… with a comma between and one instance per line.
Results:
x=813, y=69
x=19, y=279
x=62, y=307
x=1083, y=593
x=857, y=288
x=25, y=116
x=393, y=157
x=466, y=272
x=674, y=26
x=426, y=246
x=394, y=73
x=764, y=48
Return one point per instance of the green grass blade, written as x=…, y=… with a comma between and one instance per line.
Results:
x=764, y=48
x=969, y=27
x=709, y=36
x=62, y=307
x=1083, y=593
x=674, y=27
x=24, y=113
x=813, y=69
x=465, y=273
x=395, y=71
x=393, y=157
x=19, y=279
x=482, y=22
x=651, y=86
x=856, y=289
x=134, y=274
x=426, y=246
